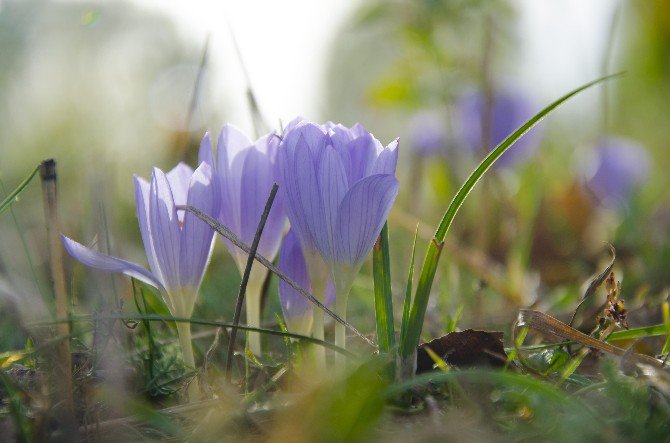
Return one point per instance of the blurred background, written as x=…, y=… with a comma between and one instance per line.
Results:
x=110, y=89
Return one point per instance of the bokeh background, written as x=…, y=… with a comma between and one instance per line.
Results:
x=110, y=89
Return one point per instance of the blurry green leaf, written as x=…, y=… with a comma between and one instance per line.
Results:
x=381, y=270
x=408, y=290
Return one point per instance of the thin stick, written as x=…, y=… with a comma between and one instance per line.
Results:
x=63, y=368
x=245, y=279
x=224, y=231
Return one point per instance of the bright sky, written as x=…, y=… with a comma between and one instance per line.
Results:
x=285, y=45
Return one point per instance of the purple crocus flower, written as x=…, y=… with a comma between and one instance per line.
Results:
x=246, y=172
x=427, y=135
x=620, y=165
x=178, y=245
x=338, y=185
x=296, y=308
x=508, y=110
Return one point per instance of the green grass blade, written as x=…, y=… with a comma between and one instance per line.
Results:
x=484, y=166
x=381, y=271
x=411, y=340
x=418, y=311
x=408, y=290
x=15, y=193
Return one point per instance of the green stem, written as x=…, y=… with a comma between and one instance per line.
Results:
x=319, y=291
x=341, y=298
x=253, y=305
x=184, y=332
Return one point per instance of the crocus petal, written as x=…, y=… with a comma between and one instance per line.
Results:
x=104, y=262
x=164, y=228
x=333, y=185
x=387, y=160
x=299, y=189
x=363, y=151
x=179, y=178
x=257, y=179
x=142, y=188
x=296, y=308
x=232, y=141
x=362, y=214
x=196, y=235
x=206, y=151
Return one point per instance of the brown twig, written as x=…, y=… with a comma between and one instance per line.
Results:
x=63, y=367
x=245, y=279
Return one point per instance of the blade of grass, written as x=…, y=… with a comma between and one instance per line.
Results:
x=381, y=271
x=484, y=166
x=429, y=267
x=15, y=193
x=225, y=232
x=195, y=321
x=418, y=311
x=666, y=320
x=408, y=290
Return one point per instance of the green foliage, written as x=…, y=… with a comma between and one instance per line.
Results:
x=15, y=193
x=381, y=271
x=429, y=267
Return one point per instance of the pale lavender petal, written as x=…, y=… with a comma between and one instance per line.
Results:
x=362, y=214
x=164, y=228
x=142, y=189
x=387, y=160
x=103, y=262
x=363, y=152
x=299, y=188
x=333, y=185
x=257, y=179
x=232, y=150
x=206, y=151
x=179, y=178
x=196, y=235
x=314, y=137
x=232, y=141
x=296, y=308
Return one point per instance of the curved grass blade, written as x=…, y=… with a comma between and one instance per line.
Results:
x=499, y=150
x=417, y=314
x=15, y=193
x=193, y=321
x=381, y=271
x=408, y=290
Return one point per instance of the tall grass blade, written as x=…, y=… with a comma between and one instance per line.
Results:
x=408, y=290
x=15, y=193
x=411, y=340
x=499, y=150
x=381, y=271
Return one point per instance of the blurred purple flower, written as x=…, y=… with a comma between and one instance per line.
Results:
x=338, y=185
x=427, y=135
x=620, y=166
x=245, y=173
x=296, y=308
x=177, y=245
x=509, y=110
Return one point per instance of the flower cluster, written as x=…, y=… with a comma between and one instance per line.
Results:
x=337, y=186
